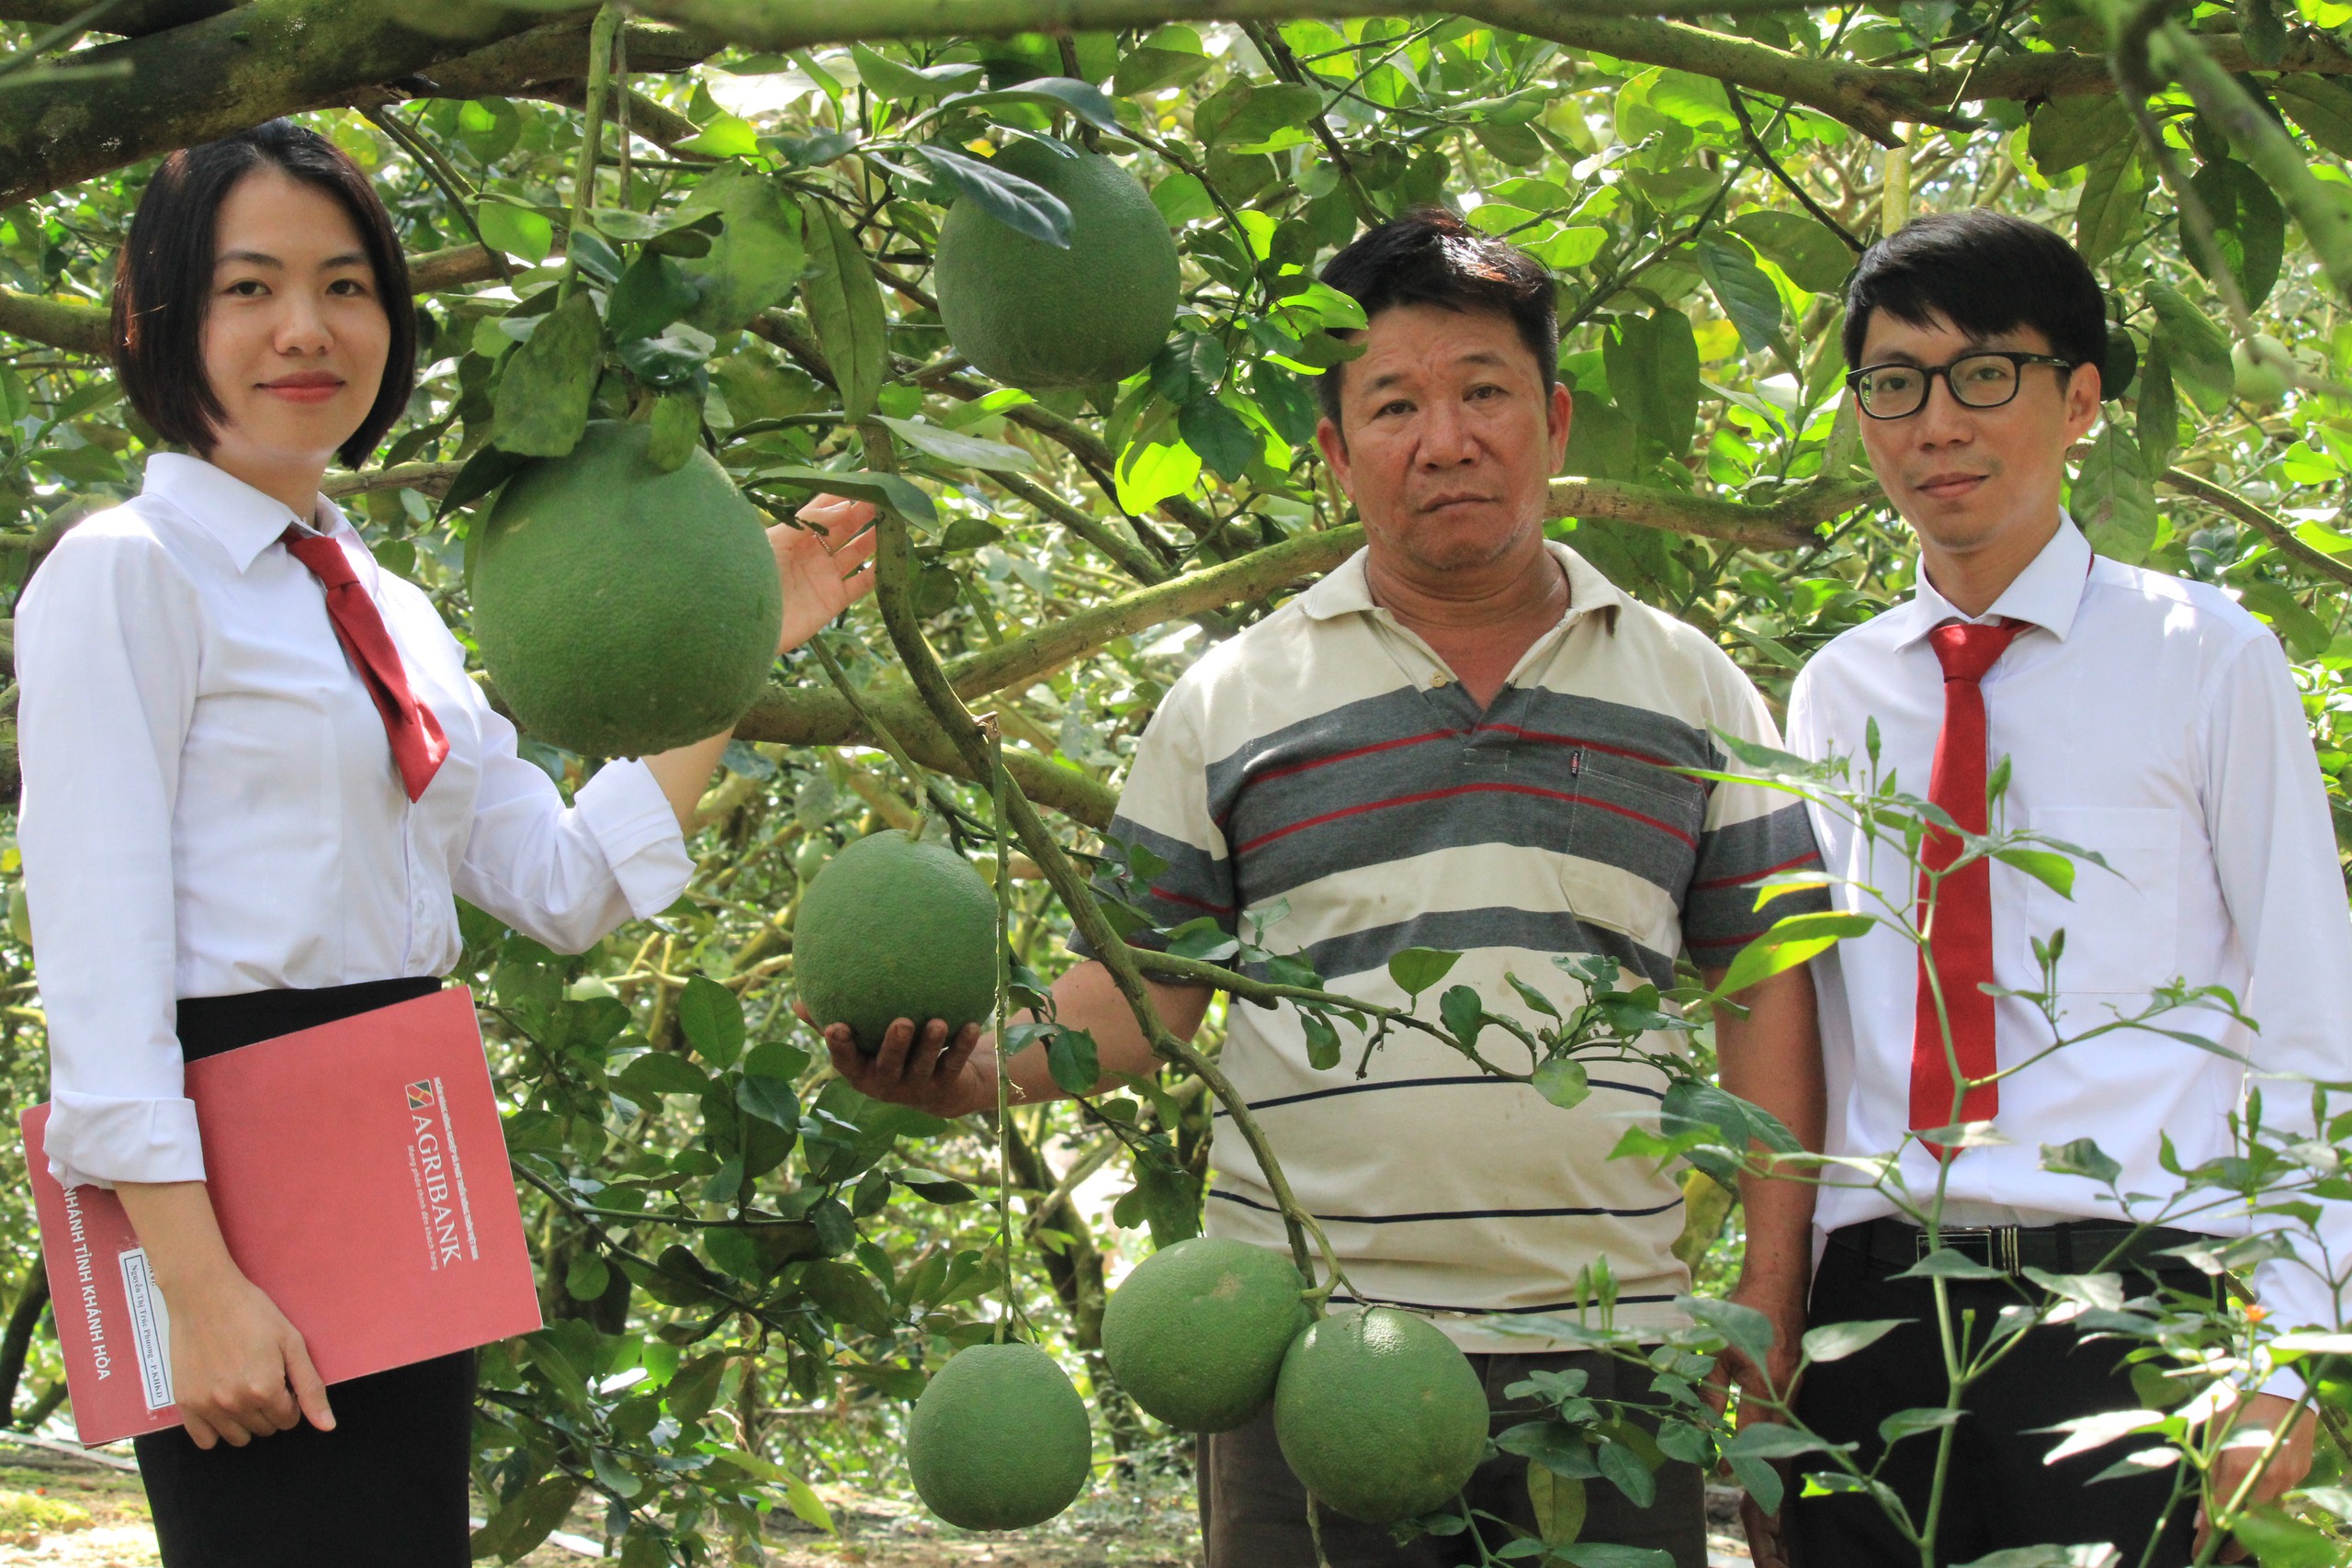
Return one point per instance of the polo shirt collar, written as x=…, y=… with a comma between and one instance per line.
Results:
x=1346, y=589
x=242, y=520
x=2047, y=594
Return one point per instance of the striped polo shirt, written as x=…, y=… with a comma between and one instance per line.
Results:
x=1325, y=772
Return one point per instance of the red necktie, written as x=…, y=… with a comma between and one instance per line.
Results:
x=1962, y=935
x=418, y=745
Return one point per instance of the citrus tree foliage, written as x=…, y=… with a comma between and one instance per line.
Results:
x=747, y=1269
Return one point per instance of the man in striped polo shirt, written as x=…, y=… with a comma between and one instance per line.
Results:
x=1463, y=739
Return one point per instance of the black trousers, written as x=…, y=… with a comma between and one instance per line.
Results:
x=387, y=1487
x=1253, y=1510
x=1998, y=1493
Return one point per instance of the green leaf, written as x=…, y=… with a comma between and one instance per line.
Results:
x=1564, y=1081
x=529, y=1520
x=848, y=1294
x=2112, y=498
x=2249, y=226
x=1944, y=1263
x=2305, y=635
x=896, y=83
x=518, y=230
x=1769, y=1439
x=1653, y=367
x=2115, y=190
x=651, y=293
x=1836, y=1341
x=1022, y=206
x=771, y=1099
x=2068, y=132
x=2156, y=419
x=2196, y=350
x=1789, y=942
x=1171, y=57
x=1226, y=443
x=542, y=405
x=1747, y=1330
x=962, y=451
x=712, y=1016
x=757, y=254
x=1322, y=1042
x=1815, y=258
x=1075, y=1062
x=1082, y=99
x=844, y=304
x=657, y=1073
x=2083, y=1156
x=1601, y=1554
x=1415, y=969
x=1746, y=296
x=678, y=429
x=2322, y=107
x=883, y=490
x=1559, y=1504
x=723, y=136
x=1188, y=365
x=1464, y=1016
x=1242, y=116
x=2052, y=870
x=2278, y=1540
x=585, y=1277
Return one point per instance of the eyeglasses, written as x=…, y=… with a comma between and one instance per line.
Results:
x=1984, y=379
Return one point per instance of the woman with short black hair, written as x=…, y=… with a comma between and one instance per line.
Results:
x=250, y=794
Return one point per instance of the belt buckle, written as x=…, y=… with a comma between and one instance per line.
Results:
x=2001, y=1249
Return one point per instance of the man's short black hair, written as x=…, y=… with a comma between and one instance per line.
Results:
x=163, y=280
x=1430, y=256
x=1985, y=272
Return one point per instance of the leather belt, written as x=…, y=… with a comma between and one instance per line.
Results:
x=2075, y=1247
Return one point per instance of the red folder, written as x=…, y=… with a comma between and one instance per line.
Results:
x=359, y=1173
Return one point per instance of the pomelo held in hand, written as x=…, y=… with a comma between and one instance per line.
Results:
x=622, y=610
x=1379, y=1414
x=1196, y=1334
x=1000, y=1439
x=895, y=927
x=1035, y=315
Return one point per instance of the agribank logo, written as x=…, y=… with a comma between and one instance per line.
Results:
x=440, y=1176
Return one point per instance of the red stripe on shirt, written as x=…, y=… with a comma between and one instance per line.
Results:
x=1258, y=778
x=1552, y=739
x=1459, y=790
x=1755, y=876
x=1192, y=903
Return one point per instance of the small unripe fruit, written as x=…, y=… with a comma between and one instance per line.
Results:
x=2258, y=368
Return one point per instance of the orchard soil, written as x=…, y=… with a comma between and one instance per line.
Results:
x=1106, y=1532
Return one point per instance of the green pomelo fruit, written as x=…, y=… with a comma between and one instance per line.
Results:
x=1000, y=1439
x=621, y=610
x=1196, y=1334
x=895, y=927
x=1031, y=314
x=1379, y=1414
x=2259, y=378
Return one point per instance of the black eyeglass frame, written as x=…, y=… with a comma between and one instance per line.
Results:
x=2018, y=360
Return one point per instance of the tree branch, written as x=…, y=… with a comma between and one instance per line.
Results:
x=1871, y=99
x=135, y=19
x=208, y=79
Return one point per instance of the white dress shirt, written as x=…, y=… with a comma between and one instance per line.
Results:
x=210, y=806
x=2154, y=721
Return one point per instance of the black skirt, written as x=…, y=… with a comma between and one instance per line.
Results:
x=387, y=1487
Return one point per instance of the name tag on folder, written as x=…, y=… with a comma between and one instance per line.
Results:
x=358, y=1170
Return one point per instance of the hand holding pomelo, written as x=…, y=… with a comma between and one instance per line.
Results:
x=896, y=928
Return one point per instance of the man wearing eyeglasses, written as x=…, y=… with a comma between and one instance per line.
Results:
x=2141, y=715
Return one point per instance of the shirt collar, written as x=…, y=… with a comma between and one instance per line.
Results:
x=2047, y=594
x=1346, y=591
x=244, y=520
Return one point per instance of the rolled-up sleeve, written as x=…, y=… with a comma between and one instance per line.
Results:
x=2273, y=847
x=566, y=875
x=108, y=642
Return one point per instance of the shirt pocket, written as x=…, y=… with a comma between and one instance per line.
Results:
x=2122, y=924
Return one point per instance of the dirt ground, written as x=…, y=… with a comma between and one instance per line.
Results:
x=63, y=1509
